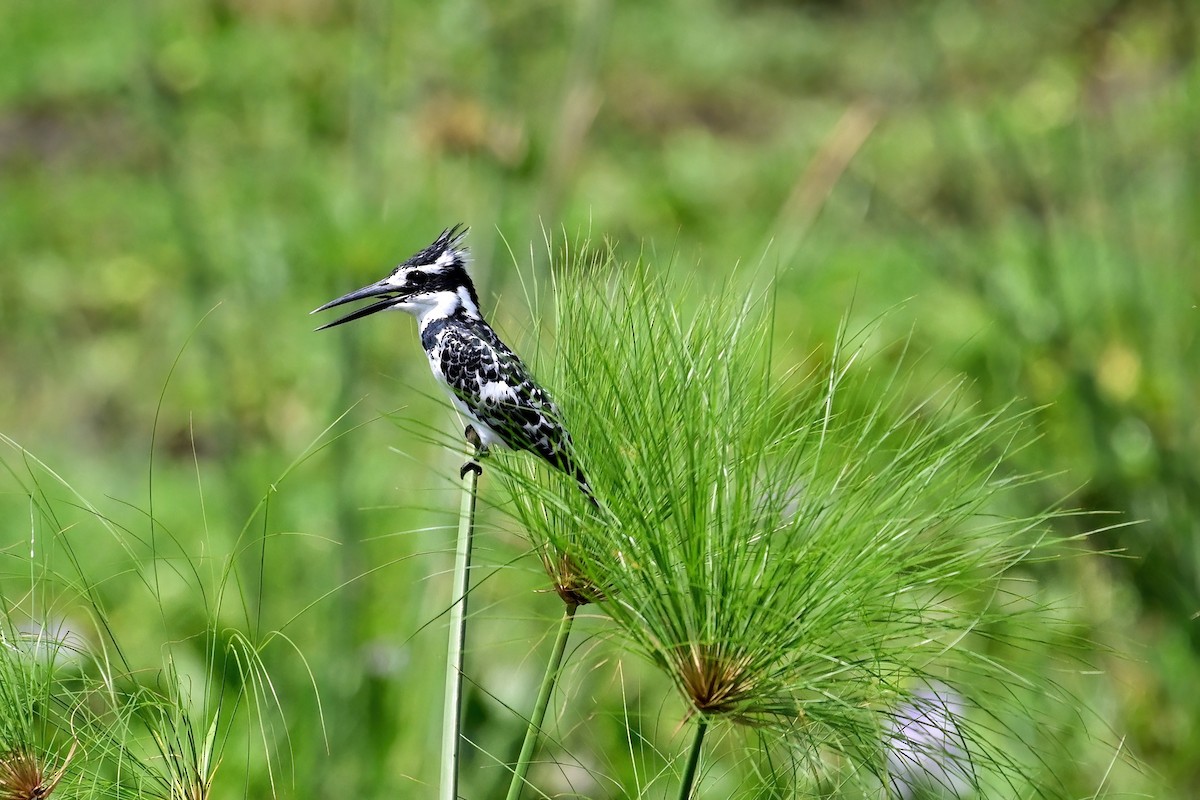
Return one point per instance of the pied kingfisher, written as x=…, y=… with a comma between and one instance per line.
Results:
x=487, y=382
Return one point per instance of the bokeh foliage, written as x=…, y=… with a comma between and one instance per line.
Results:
x=180, y=182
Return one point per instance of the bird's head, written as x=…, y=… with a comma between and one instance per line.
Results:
x=433, y=280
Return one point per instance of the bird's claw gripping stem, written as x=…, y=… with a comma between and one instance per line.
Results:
x=472, y=465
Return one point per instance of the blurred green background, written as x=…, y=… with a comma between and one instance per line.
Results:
x=1014, y=186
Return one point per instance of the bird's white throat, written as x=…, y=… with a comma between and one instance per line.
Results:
x=430, y=306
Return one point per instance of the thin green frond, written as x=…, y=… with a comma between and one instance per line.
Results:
x=800, y=555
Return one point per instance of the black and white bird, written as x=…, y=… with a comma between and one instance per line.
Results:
x=488, y=383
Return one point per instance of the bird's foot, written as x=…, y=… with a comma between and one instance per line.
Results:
x=472, y=437
x=472, y=465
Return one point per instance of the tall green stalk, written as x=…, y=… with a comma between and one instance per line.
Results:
x=452, y=708
x=693, y=762
x=521, y=769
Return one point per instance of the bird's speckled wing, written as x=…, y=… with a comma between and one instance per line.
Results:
x=495, y=385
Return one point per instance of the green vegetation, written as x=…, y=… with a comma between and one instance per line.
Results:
x=797, y=555
x=227, y=510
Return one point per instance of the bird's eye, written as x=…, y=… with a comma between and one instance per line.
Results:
x=417, y=279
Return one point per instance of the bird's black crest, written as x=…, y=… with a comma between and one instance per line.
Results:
x=450, y=239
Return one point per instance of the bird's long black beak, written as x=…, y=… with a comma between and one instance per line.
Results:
x=382, y=289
